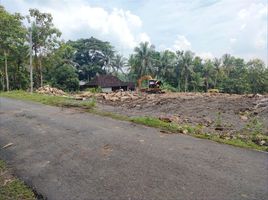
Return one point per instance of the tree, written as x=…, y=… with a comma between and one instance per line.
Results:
x=257, y=76
x=217, y=66
x=66, y=78
x=12, y=33
x=197, y=81
x=93, y=57
x=166, y=64
x=143, y=55
x=208, y=71
x=44, y=37
x=185, y=60
x=118, y=64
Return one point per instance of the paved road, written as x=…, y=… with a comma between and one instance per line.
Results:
x=66, y=154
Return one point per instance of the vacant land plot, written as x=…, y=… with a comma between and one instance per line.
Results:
x=222, y=114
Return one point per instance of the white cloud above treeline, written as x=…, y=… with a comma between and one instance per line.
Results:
x=207, y=27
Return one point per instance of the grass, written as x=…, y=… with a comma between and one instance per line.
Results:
x=12, y=188
x=195, y=131
x=49, y=100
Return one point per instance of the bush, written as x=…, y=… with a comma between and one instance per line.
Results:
x=94, y=90
x=168, y=87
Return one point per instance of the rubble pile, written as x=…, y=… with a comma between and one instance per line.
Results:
x=50, y=91
x=119, y=96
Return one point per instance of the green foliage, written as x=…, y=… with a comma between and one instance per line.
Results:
x=254, y=126
x=93, y=57
x=16, y=190
x=168, y=87
x=2, y=165
x=65, y=78
x=218, y=121
x=94, y=90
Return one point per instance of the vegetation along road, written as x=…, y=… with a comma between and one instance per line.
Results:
x=67, y=154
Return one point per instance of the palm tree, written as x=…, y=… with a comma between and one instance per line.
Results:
x=217, y=65
x=166, y=64
x=197, y=81
x=208, y=71
x=185, y=60
x=143, y=54
x=227, y=61
x=119, y=63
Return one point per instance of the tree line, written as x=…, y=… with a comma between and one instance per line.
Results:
x=63, y=64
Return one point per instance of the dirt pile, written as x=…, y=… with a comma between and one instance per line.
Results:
x=50, y=91
x=230, y=112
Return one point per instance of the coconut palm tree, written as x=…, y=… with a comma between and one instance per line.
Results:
x=119, y=63
x=185, y=60
x=143, y=55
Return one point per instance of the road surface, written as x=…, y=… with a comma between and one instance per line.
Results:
x=66, y=154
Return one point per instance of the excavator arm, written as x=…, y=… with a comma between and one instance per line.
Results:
x=143, y=78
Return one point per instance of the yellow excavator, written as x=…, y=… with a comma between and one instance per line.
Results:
x=153, y=85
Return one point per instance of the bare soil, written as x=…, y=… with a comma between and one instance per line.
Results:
x=216, y=112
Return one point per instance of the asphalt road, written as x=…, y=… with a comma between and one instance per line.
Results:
x=66, y=154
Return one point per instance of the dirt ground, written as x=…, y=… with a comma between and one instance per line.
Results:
x=215, y=112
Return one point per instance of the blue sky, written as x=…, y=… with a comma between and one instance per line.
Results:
x=208, y=27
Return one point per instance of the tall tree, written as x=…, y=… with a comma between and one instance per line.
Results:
x=208, y=73
x=257, y=76
x=93, y=57
x=143, y=54
x=119, y=63
x=12, y=34
x=185, y=60
x=44, y=37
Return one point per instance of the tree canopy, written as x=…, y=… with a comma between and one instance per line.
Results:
x=63, y=64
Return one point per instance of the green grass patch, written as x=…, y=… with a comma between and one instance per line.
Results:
x=154, y=122
x=12, y=188
x=109, y=114
x=49, y=100
x=16, y=190
x=2, y=165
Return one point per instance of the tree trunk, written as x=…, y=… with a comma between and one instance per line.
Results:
x=41, y=72
x=186, y=83
x=31, y=62
x=206, y=84
x=179, y=83
x=6, y=72
x=216, y=80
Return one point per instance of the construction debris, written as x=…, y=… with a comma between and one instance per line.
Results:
x=119, y=96
x=50, y=91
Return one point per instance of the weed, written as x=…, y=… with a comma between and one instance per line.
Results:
x=254, y=126
x=218, y=121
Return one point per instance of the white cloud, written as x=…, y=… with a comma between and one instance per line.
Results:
x=78, y=19
x=205, y=55
x=182, y=43
x=118, y=24
x=143, y=37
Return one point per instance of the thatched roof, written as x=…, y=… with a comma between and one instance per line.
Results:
x=106, y=81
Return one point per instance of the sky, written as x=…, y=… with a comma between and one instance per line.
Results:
x=209, y=28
